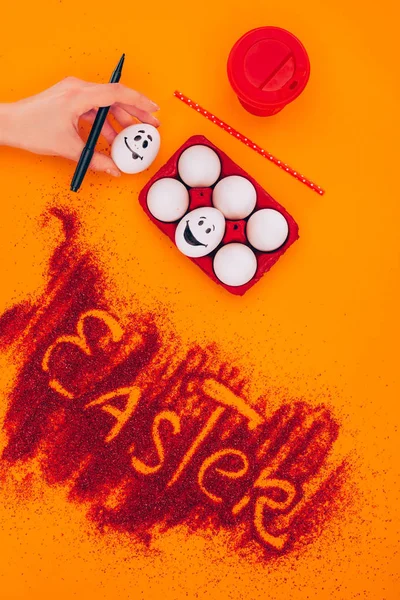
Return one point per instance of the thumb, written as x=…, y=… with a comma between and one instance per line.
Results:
x=102, y=162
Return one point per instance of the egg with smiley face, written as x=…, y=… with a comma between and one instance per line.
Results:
x=135, y=148
x=200, y=231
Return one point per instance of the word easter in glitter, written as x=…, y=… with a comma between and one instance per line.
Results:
x=232, y=460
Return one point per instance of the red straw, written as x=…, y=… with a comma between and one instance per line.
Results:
x=245, y=140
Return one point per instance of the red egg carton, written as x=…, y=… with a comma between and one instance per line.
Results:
x=235, y=230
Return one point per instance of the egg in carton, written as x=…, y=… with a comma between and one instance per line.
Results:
x=217, y=215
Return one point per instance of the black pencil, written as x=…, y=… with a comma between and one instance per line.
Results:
x=87, y=152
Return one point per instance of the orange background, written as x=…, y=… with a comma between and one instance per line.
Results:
x=322, y=325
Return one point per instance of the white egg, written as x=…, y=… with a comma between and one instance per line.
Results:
x=135, y=148
x=168, y=200
x=200, y=231
x=267, y=229
x=199, y=166
x=235, y=197
x=235, y=264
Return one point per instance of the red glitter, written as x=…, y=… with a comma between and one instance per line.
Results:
x=150, y=435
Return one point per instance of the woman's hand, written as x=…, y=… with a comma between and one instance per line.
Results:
x=48, y=122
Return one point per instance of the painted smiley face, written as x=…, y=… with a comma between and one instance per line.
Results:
x=200, y=232
x=135, y=148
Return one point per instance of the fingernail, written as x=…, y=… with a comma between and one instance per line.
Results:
x=113, y=172
x=156, y=107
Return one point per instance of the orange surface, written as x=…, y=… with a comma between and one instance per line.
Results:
x=322, y=325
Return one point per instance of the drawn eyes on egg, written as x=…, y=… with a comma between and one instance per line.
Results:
x=145, y=143
x=208, y=230
x=135, y=148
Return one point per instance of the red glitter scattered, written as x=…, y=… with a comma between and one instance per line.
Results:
x=13, y=322
x=152, y=435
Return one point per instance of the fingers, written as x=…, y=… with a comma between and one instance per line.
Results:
x=101, y=162
x=121, y=115
x=109, y=93
x=142, y=115
x=72, y=146
x=108, y=130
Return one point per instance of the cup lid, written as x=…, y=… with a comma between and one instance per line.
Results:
x=268, y=66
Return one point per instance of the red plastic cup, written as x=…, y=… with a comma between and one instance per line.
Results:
x=268, y=68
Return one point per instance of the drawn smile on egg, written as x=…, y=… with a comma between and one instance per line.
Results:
x=135, y=155
x=190, y=238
